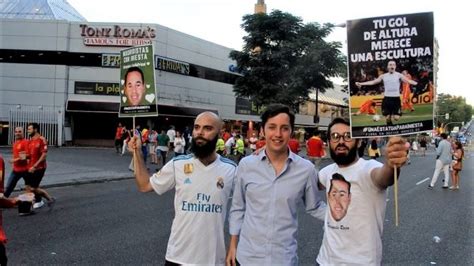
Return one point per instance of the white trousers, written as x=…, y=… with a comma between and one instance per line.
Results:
x=440, y=166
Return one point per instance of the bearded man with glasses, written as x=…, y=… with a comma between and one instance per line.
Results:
x=356, y=236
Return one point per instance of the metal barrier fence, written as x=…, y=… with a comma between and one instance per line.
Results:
x=48, y=118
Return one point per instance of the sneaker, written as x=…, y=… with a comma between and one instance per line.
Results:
x=51, y=203
x=430, y=187
x=445, y=187
x=38, y=205
x=452, y=188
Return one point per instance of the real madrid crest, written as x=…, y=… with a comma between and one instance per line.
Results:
x=188, y=168
x=220, y=182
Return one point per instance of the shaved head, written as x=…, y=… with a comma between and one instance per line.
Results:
x=205, y=134
x=211, y=117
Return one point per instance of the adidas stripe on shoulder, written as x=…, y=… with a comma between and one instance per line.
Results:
x=229, y=161
x=183, y=157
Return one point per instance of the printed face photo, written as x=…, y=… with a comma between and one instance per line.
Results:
x=134, y=88
x=339, y=198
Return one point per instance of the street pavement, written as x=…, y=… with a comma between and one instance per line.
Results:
x=110, y=222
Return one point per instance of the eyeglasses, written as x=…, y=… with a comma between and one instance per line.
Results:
x=335, y=137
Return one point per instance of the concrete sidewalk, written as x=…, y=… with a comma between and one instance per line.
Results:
x=72, y=166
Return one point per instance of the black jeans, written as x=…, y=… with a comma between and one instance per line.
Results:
x=3, y=255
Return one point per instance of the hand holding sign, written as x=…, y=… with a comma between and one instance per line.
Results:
x=135, y=144
x=396, y=152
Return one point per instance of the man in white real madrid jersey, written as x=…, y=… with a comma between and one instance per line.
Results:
x=203, y=182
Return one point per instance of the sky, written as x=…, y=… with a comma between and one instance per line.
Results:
x=219, y=21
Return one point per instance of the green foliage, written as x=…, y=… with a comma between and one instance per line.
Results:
x=456, y=106
x=284, y=59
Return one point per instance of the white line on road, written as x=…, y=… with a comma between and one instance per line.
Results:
x=424, y=180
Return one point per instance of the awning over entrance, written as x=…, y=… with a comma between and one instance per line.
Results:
x=107, y=107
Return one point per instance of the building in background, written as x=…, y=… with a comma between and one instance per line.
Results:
x=62, y=71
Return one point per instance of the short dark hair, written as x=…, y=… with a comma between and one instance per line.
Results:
x=444, y=135
x=337, y=120
x=35, y=126
x=276, y=109
x=340, y=177
x=134, y=69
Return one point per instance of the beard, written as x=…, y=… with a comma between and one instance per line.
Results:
x=203, y=150
x=342, y=159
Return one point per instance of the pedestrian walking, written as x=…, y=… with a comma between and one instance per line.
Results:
x=118, y=138
x=163, y=148
x=443, y=160
x=153, y=143
x=179, y=144
x=458, y=156
x=374, y=151
x=125, y=139
x=19, y=161
x=171, y=134
x=315, y=149
x=423, y=146
x=253, y=142
x=37, y=152
x=294, y=144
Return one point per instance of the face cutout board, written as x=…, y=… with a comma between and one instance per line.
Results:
x=138, y=95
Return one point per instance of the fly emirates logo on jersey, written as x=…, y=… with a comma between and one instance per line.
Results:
x=202, y=204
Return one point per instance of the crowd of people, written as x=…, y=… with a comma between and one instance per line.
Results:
x=267, y=186
x=209, y=164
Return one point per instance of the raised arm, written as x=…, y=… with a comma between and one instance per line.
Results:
x=410, y=81
x=142, y=177
x=370, y=82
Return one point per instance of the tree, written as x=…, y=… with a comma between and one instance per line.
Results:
x=456, y=107
x=283, y=59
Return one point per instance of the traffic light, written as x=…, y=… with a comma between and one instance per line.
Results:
x=446, y=116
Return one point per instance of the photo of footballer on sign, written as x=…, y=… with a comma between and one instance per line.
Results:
x=391, y=74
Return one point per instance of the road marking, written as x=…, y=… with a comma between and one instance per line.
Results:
x=422, y=181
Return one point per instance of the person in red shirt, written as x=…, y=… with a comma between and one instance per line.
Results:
x=4, y=203
x=37, y=150
x=315, y=149
x=406, y=93
x=19, y=161
x=261, y=143
x=294, y=144
x=226, y=135
x=368, y=107
x=118, y=137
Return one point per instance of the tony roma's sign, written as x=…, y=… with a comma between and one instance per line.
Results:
x=116, y=35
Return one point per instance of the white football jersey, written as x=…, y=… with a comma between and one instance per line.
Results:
x=200, y=203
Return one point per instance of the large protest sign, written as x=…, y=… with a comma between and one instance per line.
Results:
x=137, y=80
x=391, y=74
